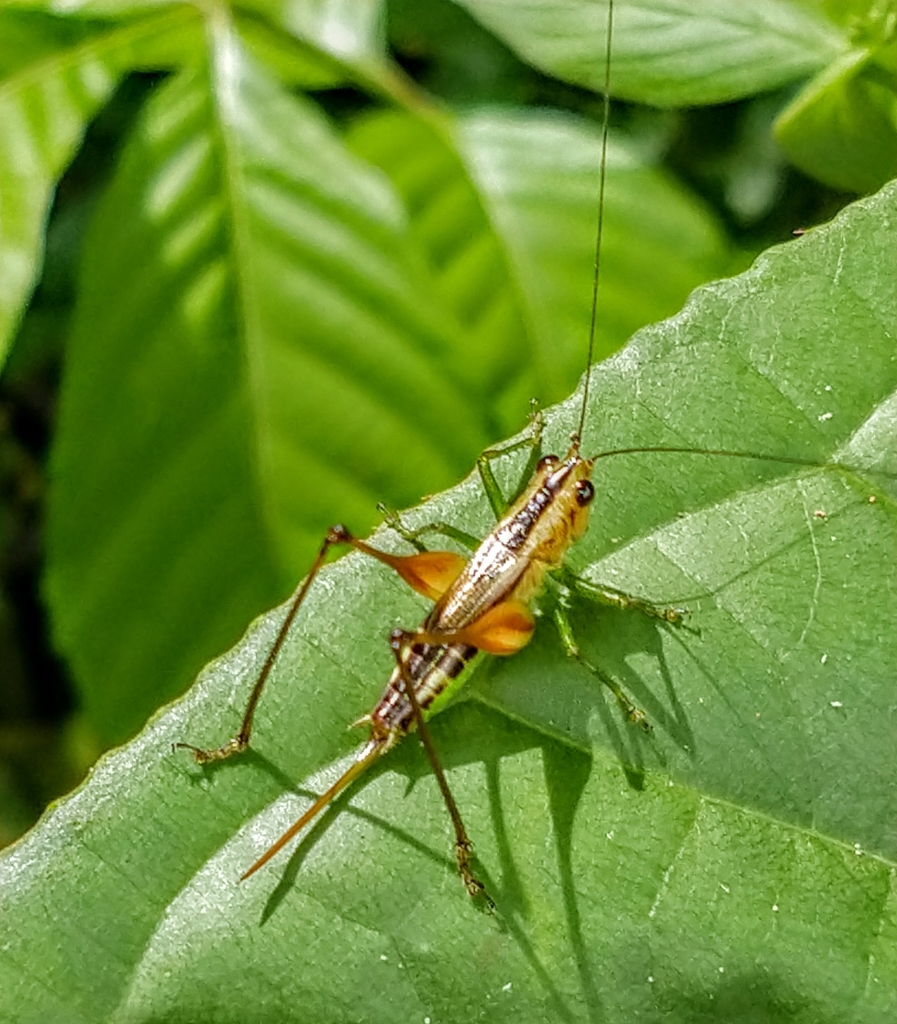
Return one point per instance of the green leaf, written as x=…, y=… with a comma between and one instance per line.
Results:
x=350, y=32
x=29, y=36
x=842, y=128
x=736, y=863
x=46, y=98
x=668, y=52
x=302, y=66
x=504, y=206
x=58, y=74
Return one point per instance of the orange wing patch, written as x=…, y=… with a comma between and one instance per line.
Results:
x=504, y=629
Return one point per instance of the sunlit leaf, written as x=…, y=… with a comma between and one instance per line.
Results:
x=735, y=863
x=668, y=52
x=505, y=209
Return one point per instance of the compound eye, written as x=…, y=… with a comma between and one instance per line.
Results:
x=585, y=491
x=547, y=462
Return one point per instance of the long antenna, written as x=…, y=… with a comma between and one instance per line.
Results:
x=600, y=231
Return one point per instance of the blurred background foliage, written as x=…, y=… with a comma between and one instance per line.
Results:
x=234, y=314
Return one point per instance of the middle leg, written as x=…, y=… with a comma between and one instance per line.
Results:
x=568, y=638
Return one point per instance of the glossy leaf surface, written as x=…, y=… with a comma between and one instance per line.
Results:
x=54, y=76
x=668, y=52
x=736, y=862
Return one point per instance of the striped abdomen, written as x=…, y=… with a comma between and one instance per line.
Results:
x=433, y=669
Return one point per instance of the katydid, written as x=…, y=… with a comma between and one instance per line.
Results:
x=481, y=604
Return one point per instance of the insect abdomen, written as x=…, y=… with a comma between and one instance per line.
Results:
x=436, y=672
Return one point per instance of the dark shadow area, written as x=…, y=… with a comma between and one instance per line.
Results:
x=753, y=997
x=566, y=775
x=546, y=688
x=476, y=736
x=40, y=758
x=618, y=635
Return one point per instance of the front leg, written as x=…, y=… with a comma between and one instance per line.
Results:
x=533, y=441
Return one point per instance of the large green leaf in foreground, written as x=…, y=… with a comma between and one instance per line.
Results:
x=735, y=864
